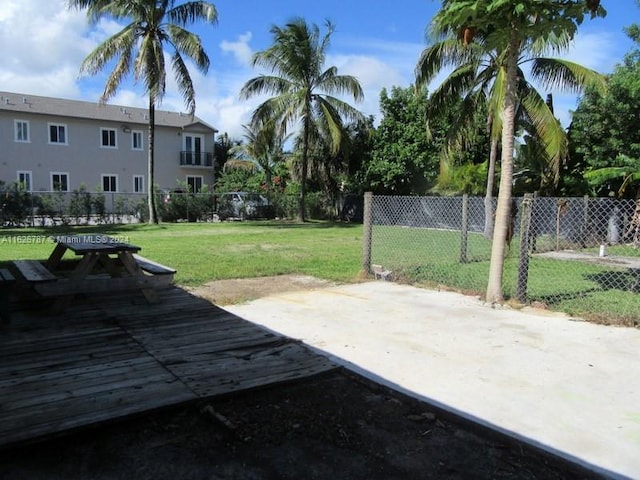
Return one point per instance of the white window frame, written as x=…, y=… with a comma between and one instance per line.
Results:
x=140, y=182
x=110, y=176
x=196, y=177
x=135, y=133
x=28, y=174
x=59, y=126
x=53, y=186
x=18, y=131
x=108, y=130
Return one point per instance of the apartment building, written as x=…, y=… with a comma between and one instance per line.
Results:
x=53, y=144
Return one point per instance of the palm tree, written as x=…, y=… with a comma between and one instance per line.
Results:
x=140, y=46
x=478, y=80
x=511, y=28
x=303, y=90
x=263, y=145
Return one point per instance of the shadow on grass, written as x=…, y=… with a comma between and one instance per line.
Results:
x=616, y=280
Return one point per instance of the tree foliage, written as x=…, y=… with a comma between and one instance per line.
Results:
x=510, y=28
x=403, y=160
x=605, y=129
x=305, y=94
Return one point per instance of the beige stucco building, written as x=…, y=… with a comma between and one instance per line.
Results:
x=52, y=144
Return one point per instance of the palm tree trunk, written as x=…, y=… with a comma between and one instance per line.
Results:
x=488, y=197
x=305, y=166
x=503, y=212
x=151, y=196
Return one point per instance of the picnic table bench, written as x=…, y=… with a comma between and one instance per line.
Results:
x=104, y=265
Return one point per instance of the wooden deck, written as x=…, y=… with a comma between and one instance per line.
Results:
x=114, y=357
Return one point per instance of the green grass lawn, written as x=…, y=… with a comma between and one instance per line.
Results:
x=201, y=252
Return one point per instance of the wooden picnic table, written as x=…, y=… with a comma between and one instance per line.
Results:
x=105, y=265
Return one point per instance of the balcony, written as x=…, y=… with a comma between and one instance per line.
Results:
x=196, y=159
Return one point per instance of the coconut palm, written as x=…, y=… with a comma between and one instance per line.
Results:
x=263, y=144
x=478, y=80
x=303, y=90
x=511, y=29
x=140, y=46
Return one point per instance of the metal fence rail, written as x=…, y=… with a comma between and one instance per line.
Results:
x=579, y=255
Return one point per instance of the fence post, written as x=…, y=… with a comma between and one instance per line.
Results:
x=464, y=229
x=585, y=221
x=523, y=262
x=367, y=232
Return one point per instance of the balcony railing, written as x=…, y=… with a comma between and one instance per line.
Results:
x=196, y=159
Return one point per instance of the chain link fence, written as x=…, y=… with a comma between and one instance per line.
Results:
x=578, y=255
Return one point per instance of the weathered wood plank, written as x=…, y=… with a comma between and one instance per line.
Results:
x=34, y=271
x=152, y=267
x=109, y=357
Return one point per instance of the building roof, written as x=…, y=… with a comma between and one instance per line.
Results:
x=24, y=103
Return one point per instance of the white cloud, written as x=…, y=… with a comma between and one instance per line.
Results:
x=240, y=49
x=596, y=51
x=42, y=45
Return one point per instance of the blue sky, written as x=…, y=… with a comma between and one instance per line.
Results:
x=42, y=45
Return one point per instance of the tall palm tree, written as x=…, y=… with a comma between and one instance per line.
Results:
x=140, y=46
x=303, y=90
x=511, y=28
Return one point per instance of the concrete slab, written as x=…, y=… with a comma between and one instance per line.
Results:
x=570, y=387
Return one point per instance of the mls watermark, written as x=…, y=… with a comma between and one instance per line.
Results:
x=25, y=239
x=45, y=239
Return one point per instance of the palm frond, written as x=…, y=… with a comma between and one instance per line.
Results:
x=562, y=74
x=548, y=130
x=265, y=85
x=189, y=44
x=331, y=83
x=185, y=84
x=441, y=55
x=191, y=12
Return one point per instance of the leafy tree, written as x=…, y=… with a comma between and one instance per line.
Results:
x=335, y=172
x=605, y=128
x=403, y=160
x=140, y=46
x=512, y=28
x=303, y=90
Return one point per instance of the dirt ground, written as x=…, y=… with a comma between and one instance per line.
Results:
x=337, y=426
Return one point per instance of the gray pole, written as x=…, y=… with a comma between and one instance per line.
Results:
x=523, y=263
x=464, y=228
x=367, y=232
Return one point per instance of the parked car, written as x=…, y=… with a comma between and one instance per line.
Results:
x=243, y=205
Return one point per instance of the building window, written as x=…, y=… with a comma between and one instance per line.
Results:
x=60, y=182
x=24, y=180
x=136, y=140
x=109, y=183
x=138, y=183
x=58, y=133
x=22, y=131
x=108, y=138
x=194, y=183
